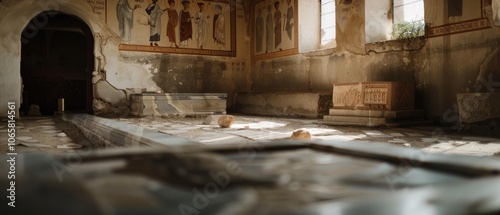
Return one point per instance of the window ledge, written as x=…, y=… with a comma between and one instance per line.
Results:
x=410, y=44
x=320, y=52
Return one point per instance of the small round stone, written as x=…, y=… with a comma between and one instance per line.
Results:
x=301, y=135
x=226, y=121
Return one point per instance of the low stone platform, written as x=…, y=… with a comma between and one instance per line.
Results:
x=289, y=104
x=118, y=134
x=374, y=104
x=373, y=118
x=164, y=104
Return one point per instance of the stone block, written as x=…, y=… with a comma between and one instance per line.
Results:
x=288, y=104
x=165, y=104
x=478, y=107
x=374, y=95
x=347, y=96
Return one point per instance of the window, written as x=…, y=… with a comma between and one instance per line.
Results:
x=328, y=23
x=408, y=11
x=408, y=18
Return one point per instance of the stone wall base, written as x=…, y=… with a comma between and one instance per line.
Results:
x=286, y=104
x=166, y=104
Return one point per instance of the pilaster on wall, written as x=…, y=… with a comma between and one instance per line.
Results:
x=351, y=23
x=495, y=4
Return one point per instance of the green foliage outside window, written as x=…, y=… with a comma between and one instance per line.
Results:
x=406, y=30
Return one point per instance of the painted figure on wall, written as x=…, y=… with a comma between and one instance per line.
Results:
x=269, y=29
x=202, y=23
x=259, y=25
x=289, y=22
x=219, y=28
x=186, y=30
x=173, y=20
x=125, y=15
x=277, y=25
x=154, y=11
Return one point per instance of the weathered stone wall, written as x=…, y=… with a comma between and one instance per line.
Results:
x=440, y=66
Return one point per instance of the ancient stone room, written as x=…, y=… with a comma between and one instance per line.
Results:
x=242, y=107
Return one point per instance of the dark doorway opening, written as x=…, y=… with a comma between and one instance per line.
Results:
x=57, y=60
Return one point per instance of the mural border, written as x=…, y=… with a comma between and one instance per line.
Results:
x=461, y=27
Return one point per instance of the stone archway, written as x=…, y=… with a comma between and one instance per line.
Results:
x=57, y=61
x=15, y=15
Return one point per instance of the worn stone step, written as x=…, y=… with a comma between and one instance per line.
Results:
x=417, y=113
x=409, y=123
x=354, y=120
x=373, y=121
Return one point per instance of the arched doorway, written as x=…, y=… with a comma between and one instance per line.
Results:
x=57, y=60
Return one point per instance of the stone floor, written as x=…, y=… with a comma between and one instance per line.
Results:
x=52, y=135
x=42, y=134
x=364, y=178
x=254, y=128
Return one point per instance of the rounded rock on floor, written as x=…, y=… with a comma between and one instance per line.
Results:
x=225, y=121
x=301, y=135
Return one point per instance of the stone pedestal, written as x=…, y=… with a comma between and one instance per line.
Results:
x=164, y=104
x=478, y=107
x=374, y=104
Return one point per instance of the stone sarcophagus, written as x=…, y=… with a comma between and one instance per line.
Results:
x=164, y=104
x=374, y=104
x=374, y=96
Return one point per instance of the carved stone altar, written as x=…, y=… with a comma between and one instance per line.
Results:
x=374, y=96
x=373, y=104
x=164, y=104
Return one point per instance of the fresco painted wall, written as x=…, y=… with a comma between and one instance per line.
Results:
x=275, y=31
x=174, y=26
